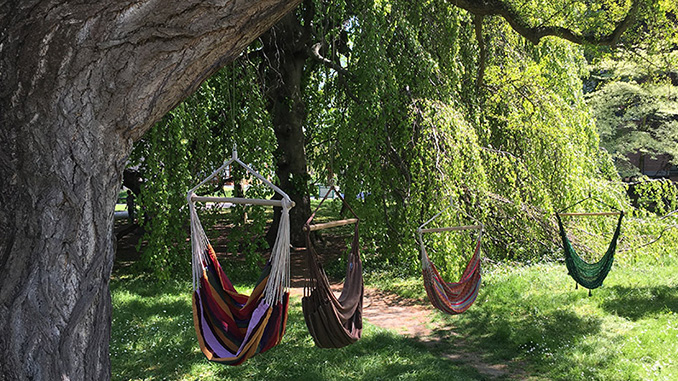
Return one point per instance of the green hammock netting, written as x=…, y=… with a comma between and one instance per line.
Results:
x=589, y=275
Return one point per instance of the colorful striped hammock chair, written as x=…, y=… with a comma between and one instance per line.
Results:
x=333, y=322
x=589, y=275
x=232, y=327
x=452, y=298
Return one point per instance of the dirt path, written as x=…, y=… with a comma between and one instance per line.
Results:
x=407, y=317
x=412, y=319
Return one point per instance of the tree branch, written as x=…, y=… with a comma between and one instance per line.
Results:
x=535, y=33
x=314, y=52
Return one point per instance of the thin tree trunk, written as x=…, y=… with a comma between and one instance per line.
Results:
x=81, y=82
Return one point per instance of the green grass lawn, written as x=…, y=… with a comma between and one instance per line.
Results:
x=528, y=316
x=627, y=330
x=153, y=339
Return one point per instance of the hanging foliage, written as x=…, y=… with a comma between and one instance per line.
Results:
x=508, y=153
x=185, y=147
x=411, y=105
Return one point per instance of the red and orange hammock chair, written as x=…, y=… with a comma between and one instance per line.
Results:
x=333, y=322
x=232, y=327
x=451, y=297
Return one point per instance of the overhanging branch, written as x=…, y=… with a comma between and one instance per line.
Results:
x=535, y=33
x=314, y=53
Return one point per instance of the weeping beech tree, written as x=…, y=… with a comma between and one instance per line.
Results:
x=384, y=94
x=80, y=83
x=449, y=100
x=498, y=124
x=480, y=101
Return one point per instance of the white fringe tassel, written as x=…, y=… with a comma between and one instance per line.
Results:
x=279, y=279
x=199, y=244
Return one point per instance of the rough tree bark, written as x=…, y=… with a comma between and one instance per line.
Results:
x=80, y=81
x=284, y=61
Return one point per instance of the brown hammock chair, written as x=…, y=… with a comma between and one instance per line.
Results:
x=333, y=322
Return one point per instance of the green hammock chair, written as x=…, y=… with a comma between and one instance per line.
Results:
x=589, y=275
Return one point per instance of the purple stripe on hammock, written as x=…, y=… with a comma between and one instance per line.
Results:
x=211, y=339
x=270, y=327
x=257, y=315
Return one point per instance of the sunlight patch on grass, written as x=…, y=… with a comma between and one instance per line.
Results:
x=153, y=339
x=530, y=317
x=534, y=314
x=410, y=287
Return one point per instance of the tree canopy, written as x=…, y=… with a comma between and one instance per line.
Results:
x=635, y=100
x=409, y=105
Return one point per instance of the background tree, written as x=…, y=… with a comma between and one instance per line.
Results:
x=283, y=68
x=635, y=102
x=291, y=53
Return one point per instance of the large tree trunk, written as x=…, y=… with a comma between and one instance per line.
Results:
x=80, y=81
x=284, y=49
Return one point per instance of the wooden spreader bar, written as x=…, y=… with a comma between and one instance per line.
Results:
x=239, y=200
x=332, y=224
x=591, y=214
x=451, y=228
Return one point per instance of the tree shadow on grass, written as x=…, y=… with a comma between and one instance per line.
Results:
x=153, y=337
x=379, y=355
x=510, y=333
x=635, y=303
